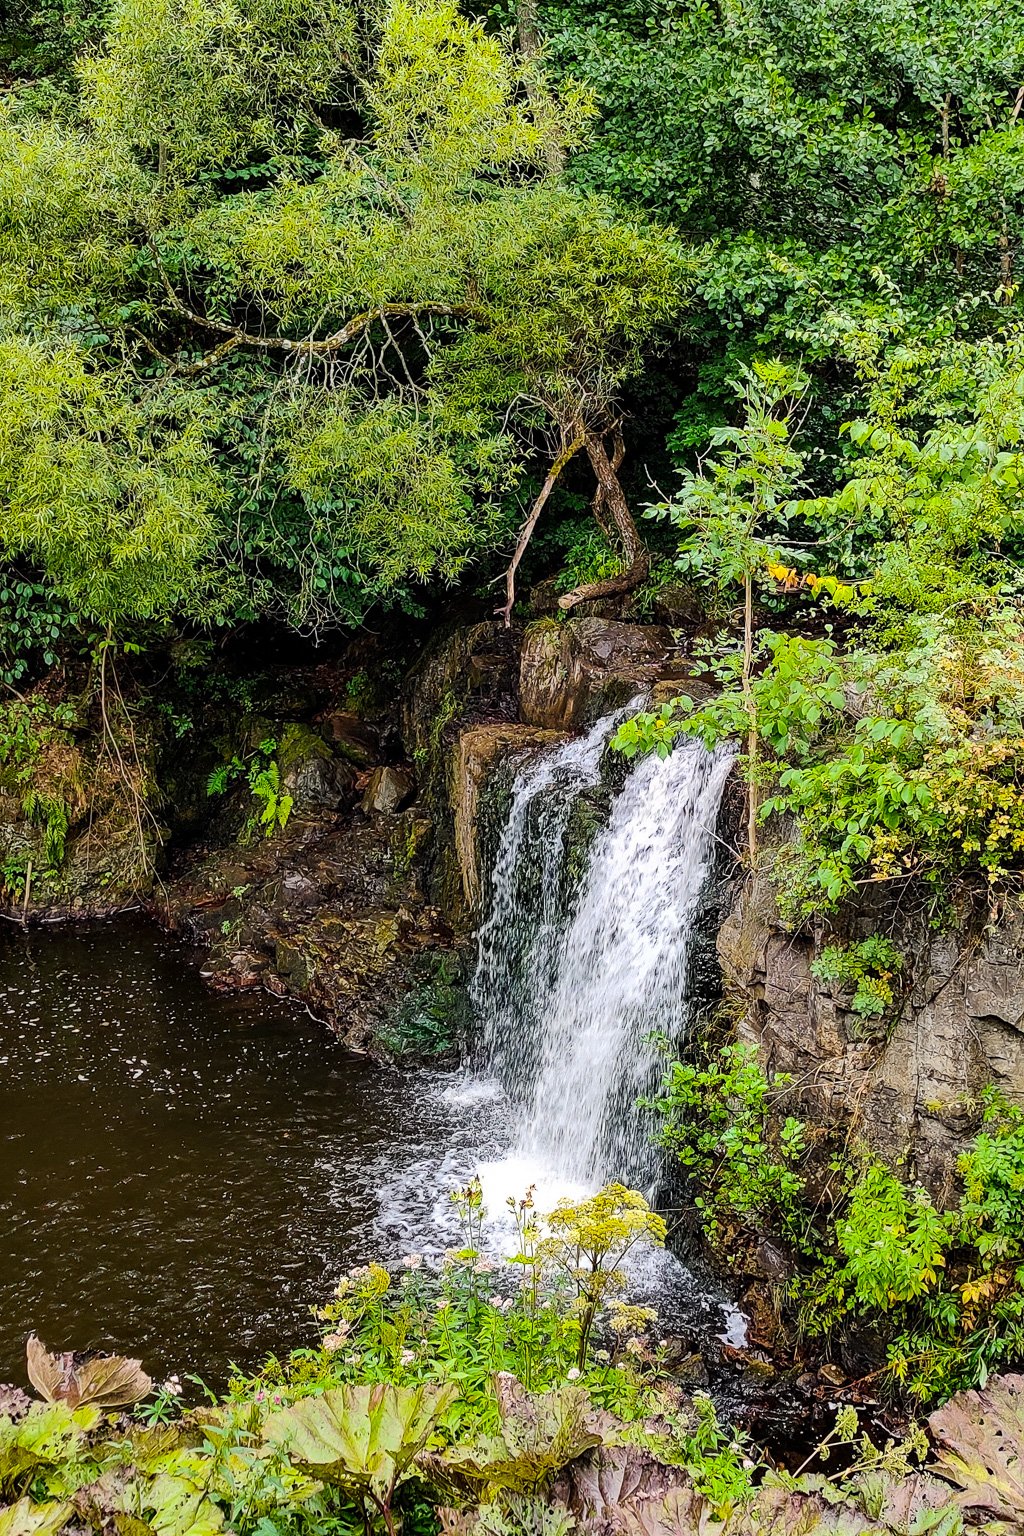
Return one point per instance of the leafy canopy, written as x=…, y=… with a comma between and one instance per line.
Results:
x=286, y=295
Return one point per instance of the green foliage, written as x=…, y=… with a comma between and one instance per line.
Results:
x=735, y=510
x=899, y=754
x=433, y=1018
x=114, y=500
x=842, y=162
x=945, y=1288
x=265, y=784
x=307, y=362
x=949, y=1284
x=588, y=1241
x=866, y=969
x=532, y=1315
x=538, y=1437
x=29, y=725
x=718, y=1121
x=262, y=774
x=33, y=622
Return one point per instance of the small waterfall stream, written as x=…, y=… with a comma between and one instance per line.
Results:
x=577, y=970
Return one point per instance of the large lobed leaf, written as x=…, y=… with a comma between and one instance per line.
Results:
x=361, y=1438
x=28, y=1519
x=539, y=1436
x=979, y=1443
x=108, y=1381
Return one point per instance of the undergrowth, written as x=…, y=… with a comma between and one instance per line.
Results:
x=944, y=1287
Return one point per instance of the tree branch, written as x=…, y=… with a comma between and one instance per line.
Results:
x=309, y=345
x=611, y=497
x=531, y=523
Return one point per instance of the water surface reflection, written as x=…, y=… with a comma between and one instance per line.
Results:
x=182, y=1173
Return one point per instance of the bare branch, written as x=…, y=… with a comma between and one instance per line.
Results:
x=606, y=470
x=531, y=523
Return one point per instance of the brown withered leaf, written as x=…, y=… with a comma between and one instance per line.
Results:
x=14, y=1403
x=106, y=1381
x=598, y=1483
x=979, y=1443
x=682, y=1512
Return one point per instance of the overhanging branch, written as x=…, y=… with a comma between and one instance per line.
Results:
x=311, y=345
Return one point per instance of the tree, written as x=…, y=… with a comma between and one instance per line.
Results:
x=291, y=302
x=734, y=514
x=897, y=740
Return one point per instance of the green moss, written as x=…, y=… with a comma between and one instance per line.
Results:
x=296, y=744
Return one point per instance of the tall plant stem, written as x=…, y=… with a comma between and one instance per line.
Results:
x=751, y=708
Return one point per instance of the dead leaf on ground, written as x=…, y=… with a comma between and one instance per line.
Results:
x=107, y=1381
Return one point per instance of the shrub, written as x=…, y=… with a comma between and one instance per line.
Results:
x=866, y=970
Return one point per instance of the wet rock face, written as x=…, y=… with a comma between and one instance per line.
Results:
x=903, y=1082
x=311, y=774
x=480, y=752
x=467, y=678
x=389, y=790
x=476, y=666
x=318, y=782
x=330, y=911
x=352, y=739
x=572, y=673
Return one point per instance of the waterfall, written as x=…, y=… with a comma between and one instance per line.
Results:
x=577, y=969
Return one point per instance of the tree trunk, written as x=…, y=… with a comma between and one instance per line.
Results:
x=529, y=47
x=610, y=498
x=531, y=522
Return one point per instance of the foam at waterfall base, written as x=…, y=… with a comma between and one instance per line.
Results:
x=473, y=1135
x=518, y=1177
x=583, y=957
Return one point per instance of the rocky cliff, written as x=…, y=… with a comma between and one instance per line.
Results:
x=906, y=1082
x=362, y=904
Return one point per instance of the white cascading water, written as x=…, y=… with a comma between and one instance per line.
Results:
x=578, y=968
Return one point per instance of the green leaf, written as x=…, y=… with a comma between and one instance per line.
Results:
x=360, y=1438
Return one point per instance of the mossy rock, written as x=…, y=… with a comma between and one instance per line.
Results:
x=434, y=1019
x=297, y=744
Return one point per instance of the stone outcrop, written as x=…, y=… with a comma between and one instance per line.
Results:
x=389, y=790
x=467, y=679
x=330, y=910
x=678, y=605
x=904, y=1084
x=572, y=673
x=478, y=754
x=476, y=666
x=310, y=773
x=351, y=738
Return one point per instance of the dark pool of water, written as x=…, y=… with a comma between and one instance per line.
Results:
x=183, y=1174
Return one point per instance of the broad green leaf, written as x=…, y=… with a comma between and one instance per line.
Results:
x=361, y=1438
